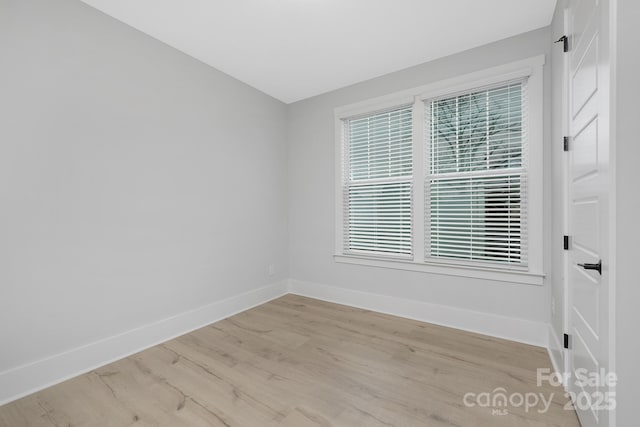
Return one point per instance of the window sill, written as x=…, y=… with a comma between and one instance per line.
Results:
x=512, y=276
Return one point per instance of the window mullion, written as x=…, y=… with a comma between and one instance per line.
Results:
x=427, y=168
x=418, y=193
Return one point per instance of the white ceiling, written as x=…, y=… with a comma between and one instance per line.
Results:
x=295, y=49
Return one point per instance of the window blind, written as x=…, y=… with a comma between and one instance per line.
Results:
x=476, y=185
x=378, y=181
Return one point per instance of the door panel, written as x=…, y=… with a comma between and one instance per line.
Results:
x=585, y=303
x=585, y=159
x=580, y=17
x=585, y=79
x=589, y=361
x=586, y=240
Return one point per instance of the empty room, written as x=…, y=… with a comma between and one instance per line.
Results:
x=319, y=213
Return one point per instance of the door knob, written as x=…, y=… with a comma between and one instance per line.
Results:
x=597, y=267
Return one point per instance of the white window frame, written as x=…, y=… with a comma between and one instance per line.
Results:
x=531, y=68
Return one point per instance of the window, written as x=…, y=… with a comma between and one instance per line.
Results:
x=377, y=190
x=477, y=175
x=446, y=178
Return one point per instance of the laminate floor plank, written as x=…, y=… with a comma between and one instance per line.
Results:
x=297, y=361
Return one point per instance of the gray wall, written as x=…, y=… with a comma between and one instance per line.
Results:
x=627, y=175
x=136, y=183
x=311, y=193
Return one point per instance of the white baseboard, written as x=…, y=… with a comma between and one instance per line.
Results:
x=555, y=351
x=514, y=329
x=26, y=379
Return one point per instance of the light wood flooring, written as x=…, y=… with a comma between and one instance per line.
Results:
x=297, y=362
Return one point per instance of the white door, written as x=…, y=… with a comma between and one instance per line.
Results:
x=588, y=203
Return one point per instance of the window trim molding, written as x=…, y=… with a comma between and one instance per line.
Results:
x=531, y=68
x=475, y=272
